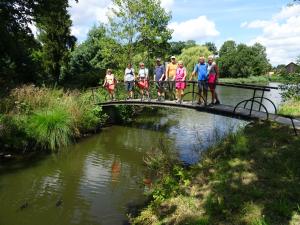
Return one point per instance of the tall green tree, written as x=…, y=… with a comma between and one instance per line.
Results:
x=190, y=56
x=176, y=47
x=140, y=25
x=91, y=58
x=212, y=47
x=228, y=47
x=16, y=42
x=54, y=23
x=242, y=60
x=226, y=59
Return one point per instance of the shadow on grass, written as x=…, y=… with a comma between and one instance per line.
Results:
x=254, y=177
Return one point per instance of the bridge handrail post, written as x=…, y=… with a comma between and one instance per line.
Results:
x=294, y=127
x=254, y=93
x=193, y=93
x=261, y=99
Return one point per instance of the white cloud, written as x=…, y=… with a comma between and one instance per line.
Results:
x=86, y=13
x=167, y=4
x=194, y=29
x=287, y=12
x=280, y=35
x=256, y=24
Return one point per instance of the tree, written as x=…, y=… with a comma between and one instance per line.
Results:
x=140, y=25
x=177, y=46
x=90, y=59
x=16, y=42
x=228, y=47
x=190, y=43
x=226, y=59
x=190, y=56
x=212, y=47
x=243, y=60
x=53, y=22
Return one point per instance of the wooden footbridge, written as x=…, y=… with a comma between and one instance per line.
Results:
x=248, y=109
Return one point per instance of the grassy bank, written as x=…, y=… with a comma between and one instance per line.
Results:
x=291, y=108
x=252, y=177
x=248, y=80
x=260, y=79
x=36, y=118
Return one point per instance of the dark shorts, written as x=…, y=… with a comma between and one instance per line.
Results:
x=202, y=85
x=129, y=85
x=160, y=86
x=171, y=85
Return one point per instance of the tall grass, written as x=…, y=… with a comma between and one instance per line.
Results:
x=52, y=129
x=291, y=108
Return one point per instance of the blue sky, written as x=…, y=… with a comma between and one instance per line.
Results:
x=269, y=22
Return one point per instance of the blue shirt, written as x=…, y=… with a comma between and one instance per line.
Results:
x=158, y=72
x=201, y=69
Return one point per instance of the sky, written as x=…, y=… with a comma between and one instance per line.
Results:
x=272, y=23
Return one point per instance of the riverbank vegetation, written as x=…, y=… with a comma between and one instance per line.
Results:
x=291, y=108
x=291, y=97
x=251, y=177
x=47, y=118
x=264, y=79
x=248, y=80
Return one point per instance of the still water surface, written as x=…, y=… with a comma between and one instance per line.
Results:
x=96, y=180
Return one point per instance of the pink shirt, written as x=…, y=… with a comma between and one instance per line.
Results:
x=180, y=73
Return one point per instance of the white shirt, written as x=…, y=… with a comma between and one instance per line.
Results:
x=143, y=73
x=129, y=74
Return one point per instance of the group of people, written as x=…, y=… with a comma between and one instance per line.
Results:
x=174, y=76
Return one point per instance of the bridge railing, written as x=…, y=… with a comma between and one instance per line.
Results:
x=256, y=101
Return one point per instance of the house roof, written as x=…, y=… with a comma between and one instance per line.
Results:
x=291, y=63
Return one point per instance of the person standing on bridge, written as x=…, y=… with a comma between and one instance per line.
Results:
x=180, y=81
x=171, y=73
x=143, y=81
x=129, y=79
x=212, y=77
x=201, y=70
x=159, y=77
x=110, y=83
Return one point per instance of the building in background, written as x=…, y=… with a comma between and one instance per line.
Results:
x=292, y=68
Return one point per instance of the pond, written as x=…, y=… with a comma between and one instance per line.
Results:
x=97, y=180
